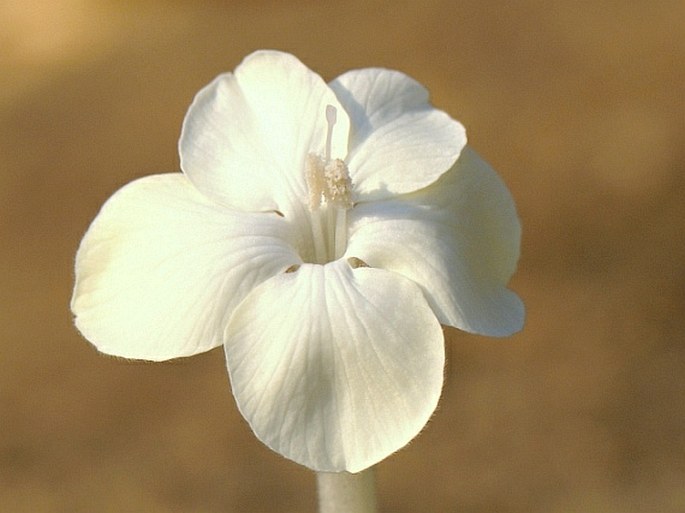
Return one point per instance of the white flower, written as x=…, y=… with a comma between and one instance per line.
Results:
x=321, y=233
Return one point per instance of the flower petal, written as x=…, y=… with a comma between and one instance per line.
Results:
x=459, y=239
x=161, y=269
x=399, y=143
x=246, y=135
x=335, y=368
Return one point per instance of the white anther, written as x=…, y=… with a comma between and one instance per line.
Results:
x=338, y=189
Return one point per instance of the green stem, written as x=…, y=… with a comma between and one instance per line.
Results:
x=342, y=492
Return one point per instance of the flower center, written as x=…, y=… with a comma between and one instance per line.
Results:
x=330, y=197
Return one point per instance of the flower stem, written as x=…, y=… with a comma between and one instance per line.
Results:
x=342, y=492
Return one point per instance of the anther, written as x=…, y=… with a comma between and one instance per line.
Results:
x=338, y=189
x=356, y=263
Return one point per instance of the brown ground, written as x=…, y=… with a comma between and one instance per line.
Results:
x=579, y=105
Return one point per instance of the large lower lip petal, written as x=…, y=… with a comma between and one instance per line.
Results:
x=335, y=368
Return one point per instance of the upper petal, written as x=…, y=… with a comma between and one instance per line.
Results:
x=459, y=239
x=246, y=134
x=161, y=268
x=399, y=143
x=335, y=368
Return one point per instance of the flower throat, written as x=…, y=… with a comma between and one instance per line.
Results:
x=330, y=197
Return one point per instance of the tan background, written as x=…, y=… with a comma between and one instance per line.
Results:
x=579, y=105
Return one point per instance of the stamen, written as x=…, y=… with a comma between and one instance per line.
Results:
x=330, y=196
x=340, y=244
x=314, y=176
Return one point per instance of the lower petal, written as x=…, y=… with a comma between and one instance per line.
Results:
x=161, y=268
x=335, y=368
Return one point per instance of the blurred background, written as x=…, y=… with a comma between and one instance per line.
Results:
x=578, y=105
